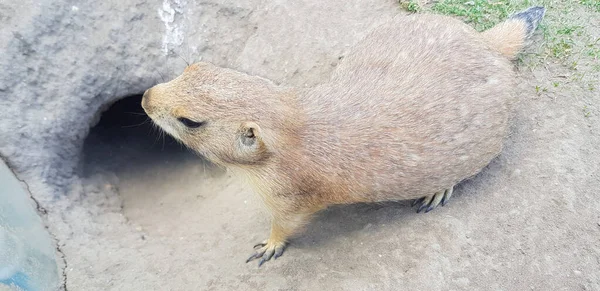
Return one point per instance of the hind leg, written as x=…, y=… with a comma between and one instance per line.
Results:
x=428, y=203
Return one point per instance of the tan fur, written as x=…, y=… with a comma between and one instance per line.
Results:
x=419, y=105
x=507, y=37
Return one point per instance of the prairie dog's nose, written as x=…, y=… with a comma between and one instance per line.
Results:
x=146, y=101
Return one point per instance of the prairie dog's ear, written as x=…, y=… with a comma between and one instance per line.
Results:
x=250, y=147
x=250, y=134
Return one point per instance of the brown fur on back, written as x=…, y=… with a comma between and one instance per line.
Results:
x=419, y=105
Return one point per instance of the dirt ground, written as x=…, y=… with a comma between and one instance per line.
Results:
x=529, y=221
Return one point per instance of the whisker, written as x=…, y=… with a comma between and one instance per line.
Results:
x=161, y=75
x=136, y=113
x=157, y=135
x=134, y=125
x=168, y=65
x=186, y=62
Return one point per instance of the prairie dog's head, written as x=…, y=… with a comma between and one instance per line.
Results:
x=227, y=116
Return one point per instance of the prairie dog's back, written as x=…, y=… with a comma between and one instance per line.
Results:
x=423, y=101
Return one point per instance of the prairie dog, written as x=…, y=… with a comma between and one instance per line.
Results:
x=419, y=105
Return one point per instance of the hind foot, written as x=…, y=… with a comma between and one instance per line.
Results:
x=428, y=203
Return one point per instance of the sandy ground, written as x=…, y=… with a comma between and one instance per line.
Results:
x=529, y=221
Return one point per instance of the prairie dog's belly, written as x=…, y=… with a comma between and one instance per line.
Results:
x=411, y=110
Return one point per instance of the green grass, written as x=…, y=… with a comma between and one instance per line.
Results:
x=481, y=14
x=586, y=111
x=594, y=4
x=570, y=30
x=410, y=6
x=591, y=87
x=561, y=48
x=540, y=90
x=593, y=49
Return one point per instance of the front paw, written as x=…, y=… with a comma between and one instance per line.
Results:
x=267, y=250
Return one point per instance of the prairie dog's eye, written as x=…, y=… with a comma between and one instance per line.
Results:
x=190, y=123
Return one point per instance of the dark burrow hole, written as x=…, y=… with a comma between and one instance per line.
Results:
x=126, y=140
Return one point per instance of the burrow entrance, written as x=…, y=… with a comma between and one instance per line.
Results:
x=154, y=176
x=125, y=139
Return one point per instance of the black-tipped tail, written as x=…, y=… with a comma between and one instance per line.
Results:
x=510, y=36
x=532, y=17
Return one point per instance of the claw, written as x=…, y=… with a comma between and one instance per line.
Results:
x=262, y=244
x=437, y=198
x=267, y=256
x=416, y=201
x=429, y=208
x=425, y=203
x=254, y=256
x=266, y=252
x=278, y=252
x=447, y=195
x=262, y=261
x=428, y=203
